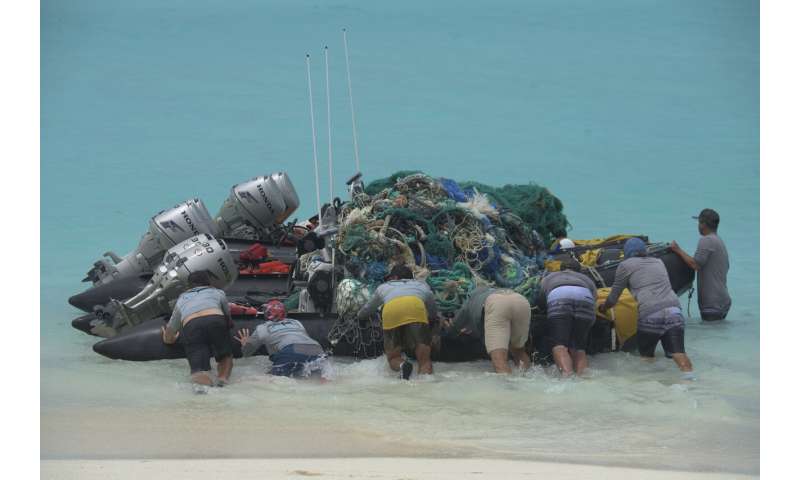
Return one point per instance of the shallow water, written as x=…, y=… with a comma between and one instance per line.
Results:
x=636, y=114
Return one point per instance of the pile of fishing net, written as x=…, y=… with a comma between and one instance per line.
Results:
x=455, y=236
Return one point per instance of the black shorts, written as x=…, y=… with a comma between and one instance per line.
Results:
x=711, y=317
x=407, y=337
x=569, y=323
x=671, y=342
x=204, y=336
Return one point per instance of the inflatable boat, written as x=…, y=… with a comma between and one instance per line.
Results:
x=143, y=342
x=251, y=253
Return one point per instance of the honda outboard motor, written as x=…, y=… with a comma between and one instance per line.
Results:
x=170, y=279
x=166, y=229
x=260, y=203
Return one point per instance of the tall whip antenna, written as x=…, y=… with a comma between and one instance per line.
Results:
x=330, y=171
x=350, y=90
x=330, y=143
x=313, y=136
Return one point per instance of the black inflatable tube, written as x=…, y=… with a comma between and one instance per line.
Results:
x=143, y=342
x=121, y=289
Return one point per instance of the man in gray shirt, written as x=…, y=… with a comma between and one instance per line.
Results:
x=407, y=305
x=570, y=296
x=501, y=318
x=710, y=261
x=660, y=317
x=202, y=318
x=293, y=353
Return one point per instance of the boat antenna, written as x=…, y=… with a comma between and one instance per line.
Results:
x=330, y=144
x=313, y=137
x=330, y=171
x=350, y=91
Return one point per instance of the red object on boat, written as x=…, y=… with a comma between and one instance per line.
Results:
x=253, y=254
x=274, y=267
x=237, y=309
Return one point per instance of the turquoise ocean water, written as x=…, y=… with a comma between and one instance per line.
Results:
x=637, y=114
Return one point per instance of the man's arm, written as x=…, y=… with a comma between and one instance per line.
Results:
x=464, y=322
x=460, y=319
x=371, y=306
x=251, y=343
x=620, y=283
x=169, y=333
x=226, y=310
x=690, y=261
x=430, y=306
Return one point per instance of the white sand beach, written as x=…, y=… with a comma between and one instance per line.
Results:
x=350, y=468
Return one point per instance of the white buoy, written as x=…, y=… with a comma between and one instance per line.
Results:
x=313, y=137
x=350, y=91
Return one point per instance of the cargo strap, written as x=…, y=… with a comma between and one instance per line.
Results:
x=596, y=276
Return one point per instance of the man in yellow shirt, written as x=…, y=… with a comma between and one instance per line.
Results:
x=408, y=306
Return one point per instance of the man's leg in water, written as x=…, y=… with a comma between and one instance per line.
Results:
x=395, y=358
x=202, y=378
x=393, y=349
x=563, y=360
x=423, y=353
x=521, y=358
x=499, y=358
x=224, y=367
x=672, y=341
x=579, y=360
x=682, y=361
x=647, y=342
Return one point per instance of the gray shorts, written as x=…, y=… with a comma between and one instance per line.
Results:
x=569, y=322
x=661, y=321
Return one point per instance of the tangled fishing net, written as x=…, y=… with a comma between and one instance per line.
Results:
x=455, y=236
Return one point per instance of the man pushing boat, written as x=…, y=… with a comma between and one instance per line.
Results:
x=408, y=308
x=292, y=351
x=660, y=316
x=202, y=320
x=710, y=261
x=499, y=317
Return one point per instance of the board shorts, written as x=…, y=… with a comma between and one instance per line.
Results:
x=299, y=360
x=506, y=320
x=407, y=337
x=569, y=321
x=671, y=342
x=665, y=326
x=203, y=337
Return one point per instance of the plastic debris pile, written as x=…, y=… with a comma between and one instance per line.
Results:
x=456, y=236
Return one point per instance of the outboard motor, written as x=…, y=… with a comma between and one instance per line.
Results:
x=170, y=279
x=166, y=229
x=260, y=203
x=320, y=285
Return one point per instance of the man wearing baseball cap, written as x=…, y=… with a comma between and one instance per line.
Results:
x=710, y=261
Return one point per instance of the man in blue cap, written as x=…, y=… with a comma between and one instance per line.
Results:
x=660, y=317
x=710, y=261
